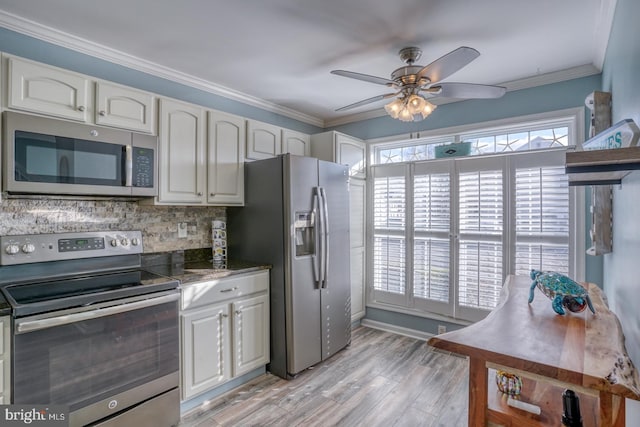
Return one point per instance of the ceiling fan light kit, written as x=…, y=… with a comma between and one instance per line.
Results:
x=416, y=84
x=412, y=108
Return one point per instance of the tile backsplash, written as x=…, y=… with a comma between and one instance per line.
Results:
x=159, y=224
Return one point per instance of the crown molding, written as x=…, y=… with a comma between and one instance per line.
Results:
x=51, y=35
x=526, y=83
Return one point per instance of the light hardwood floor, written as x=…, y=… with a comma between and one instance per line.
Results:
x=381, y=379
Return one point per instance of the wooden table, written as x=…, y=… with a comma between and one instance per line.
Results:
x=583, y=352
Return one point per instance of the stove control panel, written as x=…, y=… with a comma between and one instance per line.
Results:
x=26, y=249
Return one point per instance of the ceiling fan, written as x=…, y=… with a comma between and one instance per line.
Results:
x=414, y=85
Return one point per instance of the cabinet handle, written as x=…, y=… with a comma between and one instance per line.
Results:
x=238, y=312
x=102, y=113
x=212, y=194
x=81, y=108
x=229, y=289
x=225, y=315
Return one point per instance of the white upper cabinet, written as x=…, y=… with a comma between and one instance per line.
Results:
x=225, y=147
x=340, y=148
x=47, y=90
x=263, y=140
x=182, y=174
x=297, y=143
x=126, y=108
x=52, y=91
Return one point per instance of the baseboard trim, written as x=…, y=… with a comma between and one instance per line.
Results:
x=387, y=327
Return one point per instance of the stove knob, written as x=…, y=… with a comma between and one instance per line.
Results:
x=124, y=242
x=12, y=249
x=114, y=242
x=27, y=248
x=135, y=241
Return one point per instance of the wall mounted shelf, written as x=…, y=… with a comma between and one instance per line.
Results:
x=601, y=167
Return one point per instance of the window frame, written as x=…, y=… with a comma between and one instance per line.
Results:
x=572, y=118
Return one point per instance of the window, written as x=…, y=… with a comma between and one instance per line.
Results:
x=447, y=232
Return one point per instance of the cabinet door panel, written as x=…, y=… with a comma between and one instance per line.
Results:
x=206, y=349
x=226, y=159
x=263, y=140
x=125, y=108
x=351, y=152
x=296, y=143
x=47, y=90
x=182, y=172
x=357, y=220
x=251, y=333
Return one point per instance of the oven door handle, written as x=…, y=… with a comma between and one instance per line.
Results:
x=26, y=325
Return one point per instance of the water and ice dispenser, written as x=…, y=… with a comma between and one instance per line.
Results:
x=305, y=233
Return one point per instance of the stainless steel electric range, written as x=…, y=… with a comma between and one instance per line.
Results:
x=90, y=329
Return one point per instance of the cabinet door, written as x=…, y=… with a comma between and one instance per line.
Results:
x=47, y=90
x=357, y=221
x=182, y=153
x=225, y=177
x=206, y=349
x=263, y=140
x=351, y=152
x=125, y=108
x=251, y=334
x=296, y=143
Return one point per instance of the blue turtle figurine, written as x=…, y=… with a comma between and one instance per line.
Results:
x=561, y=290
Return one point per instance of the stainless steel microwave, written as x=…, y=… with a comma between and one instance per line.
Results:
x=49, y=156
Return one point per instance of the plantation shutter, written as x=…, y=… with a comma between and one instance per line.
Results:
x=389, y=241
x=542, y=216
x=432, y=286
x=480, y=233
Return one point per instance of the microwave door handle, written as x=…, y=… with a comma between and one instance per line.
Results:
x=128, y=166
x=325, y=236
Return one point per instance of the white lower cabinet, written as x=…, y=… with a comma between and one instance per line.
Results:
x=225, y=330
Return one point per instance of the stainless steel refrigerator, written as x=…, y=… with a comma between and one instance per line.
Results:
x=296, y=218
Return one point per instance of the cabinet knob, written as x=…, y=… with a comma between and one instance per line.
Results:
x=81, y=108
x=199, y=193
x=238, y=312
x=212, y=194
x=102, y=113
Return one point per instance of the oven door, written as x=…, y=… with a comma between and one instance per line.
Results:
x=98, y=360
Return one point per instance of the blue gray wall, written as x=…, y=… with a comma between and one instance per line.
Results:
x=621, y=267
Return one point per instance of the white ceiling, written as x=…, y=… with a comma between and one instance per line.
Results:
x=278, y=53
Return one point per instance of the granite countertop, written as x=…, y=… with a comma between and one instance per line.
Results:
x=193, y=266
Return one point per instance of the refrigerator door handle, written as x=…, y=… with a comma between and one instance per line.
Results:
x=325, y=236
x=317, y=256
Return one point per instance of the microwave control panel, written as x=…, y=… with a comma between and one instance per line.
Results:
x=143, y=167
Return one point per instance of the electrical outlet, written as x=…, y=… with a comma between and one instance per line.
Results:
x=182, y=230
x=442, y=329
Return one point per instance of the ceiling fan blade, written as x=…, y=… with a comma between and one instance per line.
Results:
x=467, y=90
x=364, y=77
x=367, y=101
x=448, y=64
